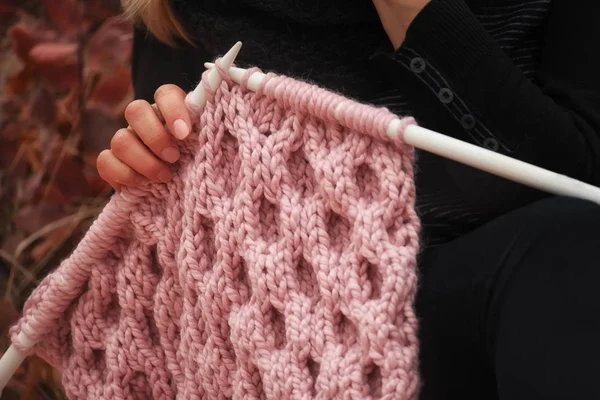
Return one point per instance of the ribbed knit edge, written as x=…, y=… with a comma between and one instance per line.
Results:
x=449, y=36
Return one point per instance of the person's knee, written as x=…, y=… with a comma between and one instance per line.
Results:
x=555, y=238
x=549, y=295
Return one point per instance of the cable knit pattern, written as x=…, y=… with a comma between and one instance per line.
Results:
x=279, y=263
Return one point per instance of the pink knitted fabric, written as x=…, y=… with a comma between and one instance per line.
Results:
x=279, y=263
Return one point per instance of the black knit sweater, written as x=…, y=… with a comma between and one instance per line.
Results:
x=519, y=77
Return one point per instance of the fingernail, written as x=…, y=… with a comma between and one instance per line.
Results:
x=170, y=154
x=181, y=129
x=165, y=176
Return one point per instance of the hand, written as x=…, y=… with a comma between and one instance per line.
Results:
x=144, y=150
x=397, y=15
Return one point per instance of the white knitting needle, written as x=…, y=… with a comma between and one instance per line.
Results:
x=199, y=96
x=11, y=360
x=468, y=154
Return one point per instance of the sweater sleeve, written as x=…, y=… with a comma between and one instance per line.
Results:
x=454, y=69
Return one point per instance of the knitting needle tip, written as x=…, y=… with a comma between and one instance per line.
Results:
x=229, y=57
x=199, y=96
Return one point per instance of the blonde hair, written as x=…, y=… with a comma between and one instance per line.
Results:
x=158, y=17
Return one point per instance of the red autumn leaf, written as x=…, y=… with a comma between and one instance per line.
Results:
x=110, y=46
x=113, y=90
x=62, y=14
x=97, y=128
x=54, y=53
x=23, y=39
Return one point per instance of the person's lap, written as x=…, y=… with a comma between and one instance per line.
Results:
x=512, y=310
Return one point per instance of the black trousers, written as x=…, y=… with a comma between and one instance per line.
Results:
x=512, y=310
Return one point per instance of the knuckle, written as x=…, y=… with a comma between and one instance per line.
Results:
x=155, y=144
x=164, y=91
x=155, y=168
x=170, y=110
x=154, y=139
x=136, y=109
x=121, y=140
x=127, y=177
x=170, y=106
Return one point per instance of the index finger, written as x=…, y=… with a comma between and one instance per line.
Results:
x=170, y=100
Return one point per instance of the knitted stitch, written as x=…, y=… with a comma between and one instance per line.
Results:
x=279, y=263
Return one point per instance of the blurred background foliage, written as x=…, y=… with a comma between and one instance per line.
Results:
x=64, y=83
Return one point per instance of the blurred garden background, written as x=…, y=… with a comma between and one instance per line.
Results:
x=64, y=83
